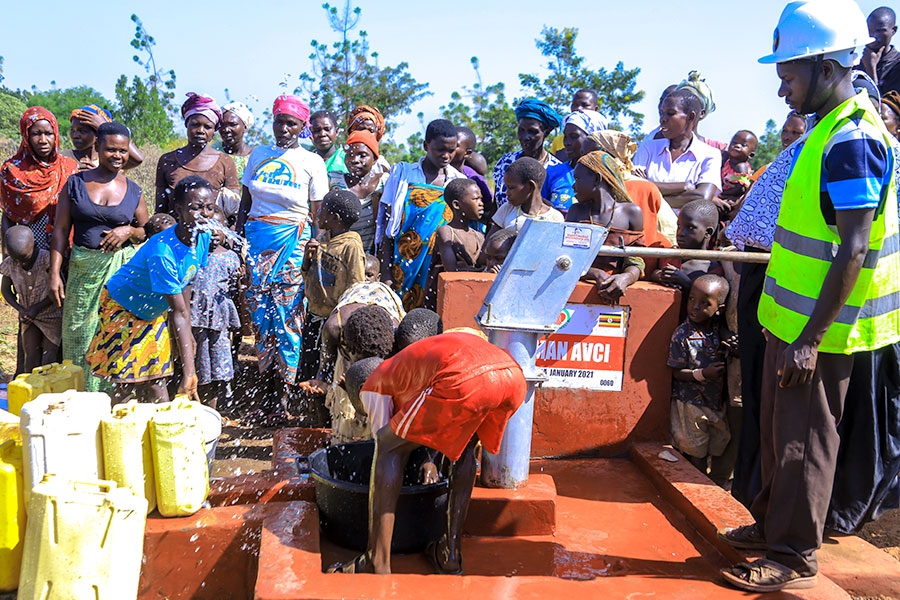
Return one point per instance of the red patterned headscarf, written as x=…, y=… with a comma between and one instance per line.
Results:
x=291, y=105
x=197, y=104
x=29, y=185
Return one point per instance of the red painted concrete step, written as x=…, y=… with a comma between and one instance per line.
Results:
x=616, y=538
x=848, y=562
x=623, y=529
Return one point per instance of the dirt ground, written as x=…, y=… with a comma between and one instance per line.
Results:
x=246, y=448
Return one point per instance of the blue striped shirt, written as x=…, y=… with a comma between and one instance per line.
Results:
x=856, y=168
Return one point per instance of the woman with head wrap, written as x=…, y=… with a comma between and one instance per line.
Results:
x=536, y=120
x=603, y=200
x=363, y=179
x=696, y=84
x=369, y=118
x=30, y=181
x=236, y=121
x=104, y=214
x=366, y=117
x=83, y=124
x=660, y=221
x=282, y=187
x=557, y=189
x=890, y=112
x=683, y=167
x=202, y=118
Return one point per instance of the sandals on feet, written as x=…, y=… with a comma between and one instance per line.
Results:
x=746, y=537
x=766, y=575
x=431, y=551
x=360, y=564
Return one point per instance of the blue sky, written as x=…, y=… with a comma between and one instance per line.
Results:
x=252, y=47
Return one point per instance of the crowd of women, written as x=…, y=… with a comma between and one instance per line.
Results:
x=87, y=218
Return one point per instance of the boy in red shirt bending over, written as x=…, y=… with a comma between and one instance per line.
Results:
x=439, y=393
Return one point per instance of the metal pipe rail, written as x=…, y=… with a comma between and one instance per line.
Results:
x=684, y=254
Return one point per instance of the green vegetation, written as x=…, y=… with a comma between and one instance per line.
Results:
x=484, y=110
x=347, y=73
x=769, y=146
x=146, y=105
x=61, y=102
x=567, y=73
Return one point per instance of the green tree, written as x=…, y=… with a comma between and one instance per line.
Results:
x=568, y=73
x=769, y=146
x=141, y=110
x=161, y=81
x=145, y=105
x=61, y=102
x=485, y=111
x=347, y=73
x=409, y=152
x=11, y=109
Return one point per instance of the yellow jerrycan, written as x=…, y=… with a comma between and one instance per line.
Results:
x=179, y=458
x=83, y=540
x=127, y=453
x=9, y=427
x=12, y=515
x=52, y=378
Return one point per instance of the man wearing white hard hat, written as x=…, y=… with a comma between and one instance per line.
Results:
x=832, y=288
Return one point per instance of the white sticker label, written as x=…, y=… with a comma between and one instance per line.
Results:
x=577, y=237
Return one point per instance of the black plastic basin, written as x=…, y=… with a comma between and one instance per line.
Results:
x=341, y=475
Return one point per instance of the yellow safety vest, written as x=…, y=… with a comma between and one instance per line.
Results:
x=805, y=245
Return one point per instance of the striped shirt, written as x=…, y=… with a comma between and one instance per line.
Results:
x=856, y=168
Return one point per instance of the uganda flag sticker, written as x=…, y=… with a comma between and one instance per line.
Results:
x=610, y=320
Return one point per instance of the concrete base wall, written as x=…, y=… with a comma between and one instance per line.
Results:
x=569, y=421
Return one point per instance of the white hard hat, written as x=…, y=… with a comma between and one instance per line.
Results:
x=835, y=29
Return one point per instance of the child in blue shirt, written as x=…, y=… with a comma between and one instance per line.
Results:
x=132, y=348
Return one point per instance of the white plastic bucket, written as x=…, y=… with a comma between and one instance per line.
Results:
x=211, y=423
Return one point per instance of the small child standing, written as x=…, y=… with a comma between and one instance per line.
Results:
x=27, y=269
x=697, y=224
x=329, y=268
x=524, y=179
x=457, y=245
x=696, y=355
x=213, y=316
x=736, y=169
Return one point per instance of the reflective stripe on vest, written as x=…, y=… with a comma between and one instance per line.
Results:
x=805, y=246
x=848, y=315
x=826, y=251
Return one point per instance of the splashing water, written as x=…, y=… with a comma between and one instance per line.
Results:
x=214, y=226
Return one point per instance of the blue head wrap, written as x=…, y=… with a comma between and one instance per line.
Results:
x=539, y=111
x=92, y=109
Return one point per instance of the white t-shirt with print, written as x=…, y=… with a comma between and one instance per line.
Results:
x=283, y=182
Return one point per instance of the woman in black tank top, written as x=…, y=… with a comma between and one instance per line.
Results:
x=104, y=213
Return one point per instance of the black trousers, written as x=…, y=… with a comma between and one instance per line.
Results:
x=747, y=479
x=865, y=480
